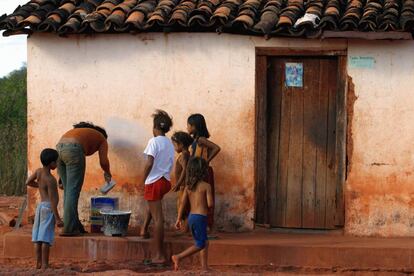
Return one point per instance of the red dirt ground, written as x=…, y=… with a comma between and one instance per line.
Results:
x=9, y=207
x=25, y=267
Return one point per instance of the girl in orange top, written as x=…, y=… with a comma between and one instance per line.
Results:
x=204, y=148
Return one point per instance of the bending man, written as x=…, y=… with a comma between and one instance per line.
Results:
x=83, y=140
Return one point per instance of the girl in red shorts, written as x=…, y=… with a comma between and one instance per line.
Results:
x=157, y=170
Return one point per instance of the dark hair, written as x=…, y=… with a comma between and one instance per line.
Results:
x=91, y=125
x=48, y=156
x=182, y=138
x=162, y=121
x=196, y=171
x=198, y=121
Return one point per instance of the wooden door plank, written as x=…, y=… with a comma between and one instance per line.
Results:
x=321, y=150
x=341, y=126
x=274, y=100
x=331, y=173
x=305, y=167
x=295, y=162
x=283, y=165
x=310, y=123
x=260, y=139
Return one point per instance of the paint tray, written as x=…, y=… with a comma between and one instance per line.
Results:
x=107, y=187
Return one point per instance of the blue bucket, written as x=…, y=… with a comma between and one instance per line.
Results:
x=98, y=204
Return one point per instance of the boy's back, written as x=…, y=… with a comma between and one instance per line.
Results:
x=201, y=198
x=47, y=184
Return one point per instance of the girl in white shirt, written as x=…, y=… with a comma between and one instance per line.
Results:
x=157, y=175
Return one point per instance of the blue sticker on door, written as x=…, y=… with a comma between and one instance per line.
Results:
x=294, y=74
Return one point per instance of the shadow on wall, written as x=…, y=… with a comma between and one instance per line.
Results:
x=127, y=140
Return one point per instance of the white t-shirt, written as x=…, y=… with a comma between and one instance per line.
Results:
x=162, y=149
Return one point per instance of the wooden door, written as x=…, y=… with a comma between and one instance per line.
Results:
x=302, y=160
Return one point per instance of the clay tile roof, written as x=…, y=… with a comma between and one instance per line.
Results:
x=306, y=18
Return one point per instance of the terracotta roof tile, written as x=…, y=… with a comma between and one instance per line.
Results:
x=261, y=17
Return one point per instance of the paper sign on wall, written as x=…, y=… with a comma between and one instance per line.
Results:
x=294, y=74
x=361, y=62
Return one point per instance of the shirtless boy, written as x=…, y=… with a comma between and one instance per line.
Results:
x=200, y=197
x=43, y=232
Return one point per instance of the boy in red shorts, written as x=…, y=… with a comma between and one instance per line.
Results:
x=157, y=171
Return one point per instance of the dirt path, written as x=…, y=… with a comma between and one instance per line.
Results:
x=63, y=268
x=9, y=209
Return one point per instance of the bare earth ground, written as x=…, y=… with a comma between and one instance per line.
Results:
x=9, y=207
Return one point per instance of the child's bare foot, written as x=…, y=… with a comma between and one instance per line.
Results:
x=158, y=260
x=144, y=235
x=176, y=262
x=205, y=270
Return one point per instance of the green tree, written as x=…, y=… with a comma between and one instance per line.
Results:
x=13, y=133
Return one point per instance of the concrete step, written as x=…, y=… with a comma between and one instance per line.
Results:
x=256, y=248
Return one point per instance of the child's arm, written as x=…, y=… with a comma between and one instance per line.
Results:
x=148, y=166
x=214, y=148
x=210, y=201
x=31, y=181
x=54, y=200
x=183, y=203
x=150, y=152
x=183, y=163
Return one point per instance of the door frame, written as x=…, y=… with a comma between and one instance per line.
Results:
x=261, y=214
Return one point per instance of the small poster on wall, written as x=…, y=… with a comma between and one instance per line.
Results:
x=294, y=74
x=361, y=62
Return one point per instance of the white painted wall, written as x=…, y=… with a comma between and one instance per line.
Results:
x=119, y=80
x=380, y=186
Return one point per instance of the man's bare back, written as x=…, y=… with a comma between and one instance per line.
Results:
x=200, y=199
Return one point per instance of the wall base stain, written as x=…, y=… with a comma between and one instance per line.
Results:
x=227, y=217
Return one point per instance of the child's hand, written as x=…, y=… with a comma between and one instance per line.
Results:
x=59, y=223
x=178, y=224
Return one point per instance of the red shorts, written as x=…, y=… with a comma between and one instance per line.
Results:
x=157, y=190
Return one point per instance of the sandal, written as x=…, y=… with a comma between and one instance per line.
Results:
x=148, y=262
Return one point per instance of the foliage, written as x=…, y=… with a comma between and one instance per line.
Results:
x=13, y=133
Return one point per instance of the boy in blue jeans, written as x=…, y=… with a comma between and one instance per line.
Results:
x=198, y=193
x=47, y=215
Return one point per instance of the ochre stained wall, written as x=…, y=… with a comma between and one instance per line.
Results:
x=380, y=190
x=117, y=81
